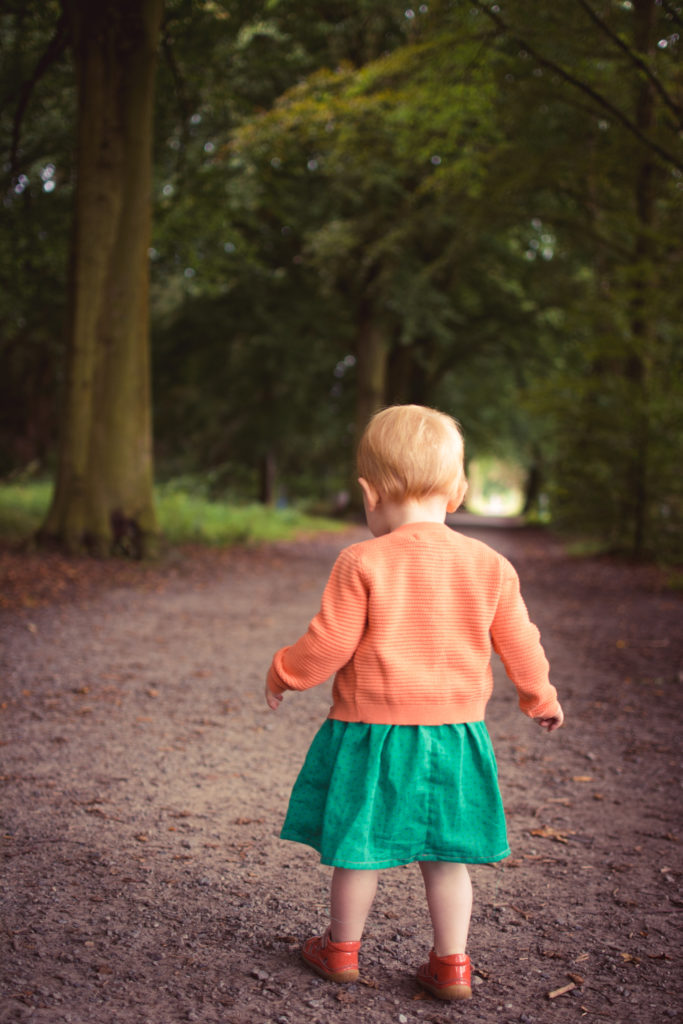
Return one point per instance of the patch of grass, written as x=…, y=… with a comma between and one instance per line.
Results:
x=187, y=518
x=22, y=508
x=183, y=518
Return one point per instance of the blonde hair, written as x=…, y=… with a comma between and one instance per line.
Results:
x=410, y=451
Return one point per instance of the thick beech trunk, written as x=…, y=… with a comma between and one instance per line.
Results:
x=104, y=490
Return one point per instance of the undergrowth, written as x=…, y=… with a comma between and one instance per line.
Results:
x=183, y=517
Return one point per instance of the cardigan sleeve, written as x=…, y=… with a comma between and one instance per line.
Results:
x=518, y=642
x=332, y=635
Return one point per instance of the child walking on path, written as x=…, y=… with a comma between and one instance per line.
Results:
x=403, y=769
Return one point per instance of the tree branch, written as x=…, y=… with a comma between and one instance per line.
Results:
x=54, y=50
x=176, y=74
x=181, y=95
x=597, y=97
x=635, y=59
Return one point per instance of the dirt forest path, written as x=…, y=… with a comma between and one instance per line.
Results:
x=143, y=785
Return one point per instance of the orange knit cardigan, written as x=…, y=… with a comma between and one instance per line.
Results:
x=407, y=621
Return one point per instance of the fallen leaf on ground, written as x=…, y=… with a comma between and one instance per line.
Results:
x=547, y=832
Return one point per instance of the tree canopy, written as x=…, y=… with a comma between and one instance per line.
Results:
x=473, y=205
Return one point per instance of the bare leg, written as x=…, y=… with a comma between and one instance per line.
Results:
x=351, y=897
x=449, y=898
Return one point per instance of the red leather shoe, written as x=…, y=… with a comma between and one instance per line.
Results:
x=447, y=977
x=335, y=961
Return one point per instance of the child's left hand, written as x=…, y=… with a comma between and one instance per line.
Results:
x=552, y=722
x=273, y=700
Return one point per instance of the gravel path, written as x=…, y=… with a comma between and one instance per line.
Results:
x=143, y=785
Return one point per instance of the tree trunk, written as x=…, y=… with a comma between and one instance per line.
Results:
x=267, y=478
x=372, y=352
x=104, y=491
x=372, y=357
x=532, y=487
x=407, y=378
x=642, y=326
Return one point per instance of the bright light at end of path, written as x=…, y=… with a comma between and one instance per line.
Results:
x=496, y=487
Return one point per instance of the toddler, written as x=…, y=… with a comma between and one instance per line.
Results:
x=403, y=770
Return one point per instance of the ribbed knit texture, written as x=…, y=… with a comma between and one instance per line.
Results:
x=406, y=623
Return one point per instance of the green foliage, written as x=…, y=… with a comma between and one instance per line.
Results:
x=36, y=187
x=184, y=517
x=259, y=381
x=593, y=93
x=22, y=509
x=381, y=199
x=495, y=188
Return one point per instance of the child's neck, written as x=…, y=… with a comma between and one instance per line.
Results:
x=431, y=509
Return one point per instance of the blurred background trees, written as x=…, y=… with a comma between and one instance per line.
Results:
x=474, y=205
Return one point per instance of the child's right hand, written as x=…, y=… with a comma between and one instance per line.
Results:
x=553, y=722
x=273, y=700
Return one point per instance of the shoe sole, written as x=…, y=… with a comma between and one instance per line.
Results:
x=447, y=991
x=341, y=977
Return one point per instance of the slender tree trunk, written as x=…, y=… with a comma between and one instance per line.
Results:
x=372, y=352
x=372, y=357
x=267, y=478
x=104, y=490
x=532, y=487
x=407, y=378
x=642, y=326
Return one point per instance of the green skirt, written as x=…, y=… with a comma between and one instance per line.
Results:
x=380, y=796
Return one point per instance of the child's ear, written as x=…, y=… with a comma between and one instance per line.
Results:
x=369, y=493
x=455, y=500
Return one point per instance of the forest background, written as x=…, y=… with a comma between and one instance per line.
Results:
x=473, y=205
